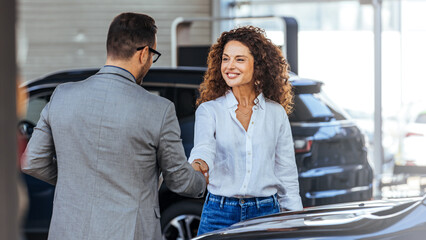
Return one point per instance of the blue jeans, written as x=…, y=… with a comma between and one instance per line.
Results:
x=221, y=212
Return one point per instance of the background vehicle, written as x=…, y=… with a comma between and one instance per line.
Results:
x=412, y=159
x=390, y=141
x=330, y=150
x=392, y=219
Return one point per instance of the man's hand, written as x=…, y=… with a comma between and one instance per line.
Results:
x=201, y=166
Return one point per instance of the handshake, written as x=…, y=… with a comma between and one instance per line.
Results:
x=201, y=166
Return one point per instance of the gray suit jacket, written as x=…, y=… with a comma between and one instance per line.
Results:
x=111, y=139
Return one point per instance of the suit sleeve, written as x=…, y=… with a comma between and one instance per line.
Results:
x=178, y=174
x=38, y=159
x=286, y=169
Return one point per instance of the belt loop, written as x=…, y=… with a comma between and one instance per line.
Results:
x=257, y=203
x=221, y=201
x=275, y=199
x=207, y=197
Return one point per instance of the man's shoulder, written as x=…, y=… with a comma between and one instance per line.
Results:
x=140, y=95
x=70, y=88
x=154, y=98
x=67, y=86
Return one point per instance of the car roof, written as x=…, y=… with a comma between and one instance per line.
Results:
x=178, y=75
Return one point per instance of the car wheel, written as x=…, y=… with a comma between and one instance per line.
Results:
x=180, y=221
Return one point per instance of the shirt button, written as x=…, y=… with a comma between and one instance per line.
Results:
x=252, y=122
x=248, y=171
x=249, y=153
x=255, y=108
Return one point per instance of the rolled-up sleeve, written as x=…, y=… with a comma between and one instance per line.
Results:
x=204, y=136
x=286, y=169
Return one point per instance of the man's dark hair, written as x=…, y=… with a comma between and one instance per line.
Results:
x=129, y=31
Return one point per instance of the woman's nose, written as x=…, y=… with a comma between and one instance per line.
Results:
x=231, y=64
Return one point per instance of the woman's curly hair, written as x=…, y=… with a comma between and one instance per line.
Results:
x=270, y=73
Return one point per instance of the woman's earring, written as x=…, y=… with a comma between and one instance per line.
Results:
x=257, y=82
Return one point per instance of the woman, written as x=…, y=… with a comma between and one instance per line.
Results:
x=242, y=132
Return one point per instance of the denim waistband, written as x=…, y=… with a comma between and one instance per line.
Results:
x=241, y=201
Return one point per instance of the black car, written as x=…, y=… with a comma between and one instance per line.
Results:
x=330, y=150
x=376, y=219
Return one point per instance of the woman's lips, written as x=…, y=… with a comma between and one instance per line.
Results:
x=232, y=75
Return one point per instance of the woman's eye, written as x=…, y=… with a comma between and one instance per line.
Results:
x=240, y=59
x=225, y=59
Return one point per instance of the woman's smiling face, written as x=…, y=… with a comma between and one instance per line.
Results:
x=237, y=64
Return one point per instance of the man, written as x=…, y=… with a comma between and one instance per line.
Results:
x=111, y=139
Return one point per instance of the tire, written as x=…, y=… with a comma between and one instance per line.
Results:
x=180, y=221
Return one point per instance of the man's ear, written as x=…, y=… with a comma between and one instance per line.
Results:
x=144, y=55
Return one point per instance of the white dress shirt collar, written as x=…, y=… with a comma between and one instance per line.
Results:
x=232, y=102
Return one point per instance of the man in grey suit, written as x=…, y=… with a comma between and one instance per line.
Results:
x=104, y=142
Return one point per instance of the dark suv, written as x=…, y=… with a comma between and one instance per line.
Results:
x=330, y=150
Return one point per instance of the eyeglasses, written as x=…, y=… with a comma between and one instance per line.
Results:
x=156, y=55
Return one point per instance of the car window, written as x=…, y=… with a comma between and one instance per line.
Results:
x=315, y=108
x=421, y=118
x=35, y=106
x=166, y=92
x=155, y=92
x=183, y=98
x=338, y=113
x=185, y=102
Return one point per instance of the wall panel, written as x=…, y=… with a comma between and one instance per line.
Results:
x=65, y=34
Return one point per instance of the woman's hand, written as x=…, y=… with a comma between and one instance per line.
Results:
x=201, y=166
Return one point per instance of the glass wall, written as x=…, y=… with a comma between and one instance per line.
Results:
x=336, y=46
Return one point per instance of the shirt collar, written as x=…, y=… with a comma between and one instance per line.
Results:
x=118, y=71
x=232, y=102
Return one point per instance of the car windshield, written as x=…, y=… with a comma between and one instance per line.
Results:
x=316, y=107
